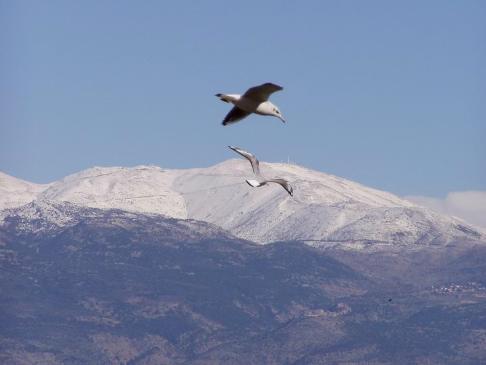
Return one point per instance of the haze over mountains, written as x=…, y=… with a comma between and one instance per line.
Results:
x=326, y=210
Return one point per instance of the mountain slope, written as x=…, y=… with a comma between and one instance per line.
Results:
x=49, y=218
x=108, y=286
x=325, y=210
x=90, y=286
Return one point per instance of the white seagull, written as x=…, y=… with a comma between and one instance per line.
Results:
x=254, y=100
x=255, y=165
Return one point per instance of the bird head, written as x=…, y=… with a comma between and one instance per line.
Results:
x=276, y=113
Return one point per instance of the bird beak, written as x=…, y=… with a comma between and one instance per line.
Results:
x=281, y=118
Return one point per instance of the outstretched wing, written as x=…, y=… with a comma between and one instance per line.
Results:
x=236, y=114
x=255, y=165
x=262, y=92
x=284, y=183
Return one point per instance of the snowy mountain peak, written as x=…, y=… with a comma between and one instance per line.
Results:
x=325, y=209
x=16, y=192
x=144, y=189
x=313, y=186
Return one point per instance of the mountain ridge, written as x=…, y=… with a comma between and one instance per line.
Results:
x=46, y=217
x=325, y=210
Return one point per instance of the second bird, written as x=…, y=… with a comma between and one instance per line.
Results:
x=254, y=100
x=255, y=165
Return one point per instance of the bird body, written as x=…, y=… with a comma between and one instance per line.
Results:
x=254, y=183
x=254, y=100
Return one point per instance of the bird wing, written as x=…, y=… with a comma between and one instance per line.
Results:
x=262, y=92
x=255, y=165
x=284, y=183
x=236, y=114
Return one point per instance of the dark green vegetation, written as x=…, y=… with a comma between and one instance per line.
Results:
x=114, y=287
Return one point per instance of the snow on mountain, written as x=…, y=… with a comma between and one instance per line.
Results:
x=16, y=192
x=325, y=209
x=140, y=189
x=43, y=216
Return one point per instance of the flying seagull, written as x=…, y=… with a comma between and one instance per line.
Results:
x=254, y=100
x=255, y=165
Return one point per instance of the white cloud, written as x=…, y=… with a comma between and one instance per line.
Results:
x=467, y=205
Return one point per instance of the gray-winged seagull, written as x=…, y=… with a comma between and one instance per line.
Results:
x=254, y=100
x=255, y=165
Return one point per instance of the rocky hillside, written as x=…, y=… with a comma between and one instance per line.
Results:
x=90, y=286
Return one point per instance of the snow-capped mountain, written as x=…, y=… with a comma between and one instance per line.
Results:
x=114, y=286
x=325, y=209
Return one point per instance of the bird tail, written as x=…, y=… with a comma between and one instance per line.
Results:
x=223, y=98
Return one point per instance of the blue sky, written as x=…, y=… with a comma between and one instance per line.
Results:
x=390, y=94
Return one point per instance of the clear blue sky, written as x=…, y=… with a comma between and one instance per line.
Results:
x=390, y=94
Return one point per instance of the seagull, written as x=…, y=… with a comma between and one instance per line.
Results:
x=254, y=100
x=255, y=165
